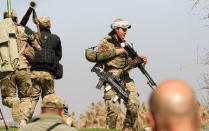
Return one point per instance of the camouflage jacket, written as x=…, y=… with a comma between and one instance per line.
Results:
x=25, y=39
x=44, y=121
x=107, y=54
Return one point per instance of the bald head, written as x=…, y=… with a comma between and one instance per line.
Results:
x=171, y=104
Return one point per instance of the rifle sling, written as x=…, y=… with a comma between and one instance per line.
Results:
x=53, y=126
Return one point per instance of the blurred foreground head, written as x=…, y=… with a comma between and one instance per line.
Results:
x=52, y=104
x=173, y=107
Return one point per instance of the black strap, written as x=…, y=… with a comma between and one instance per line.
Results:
x=53, y=126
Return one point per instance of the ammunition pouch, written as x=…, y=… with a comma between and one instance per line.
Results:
x=107, y=97
x=29, y=52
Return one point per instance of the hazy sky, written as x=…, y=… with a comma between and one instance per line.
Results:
x=168, y=32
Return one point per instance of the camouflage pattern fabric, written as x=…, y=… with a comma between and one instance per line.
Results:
x=21, y=78
x=44, y=21
x=120, y=23
x=52, y=101
x=24, y=37
x=117, y=64
x=43, y=84
x=113, y=108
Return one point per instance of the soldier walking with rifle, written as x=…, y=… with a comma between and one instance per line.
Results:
x=116, y=62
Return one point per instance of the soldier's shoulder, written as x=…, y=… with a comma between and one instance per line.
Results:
x=55, y=36
x=105, y=40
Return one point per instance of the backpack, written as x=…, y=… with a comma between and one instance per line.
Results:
x=91, y=54
x=9, y=57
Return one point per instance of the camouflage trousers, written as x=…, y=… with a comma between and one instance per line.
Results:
x=113, y=108
x=43, y=84
x=19, y=79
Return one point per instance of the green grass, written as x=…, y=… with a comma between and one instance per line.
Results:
x=15, y=129
x=96, y=130
x=10, y=129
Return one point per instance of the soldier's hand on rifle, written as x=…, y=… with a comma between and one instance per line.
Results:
x=134, y=62
x=144, y=58
x=121, y=50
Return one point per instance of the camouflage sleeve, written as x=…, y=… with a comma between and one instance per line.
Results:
x=35, y=44
x=31, y=38
x=29, y=34
x=104, y=52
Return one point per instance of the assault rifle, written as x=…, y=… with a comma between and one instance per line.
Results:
x=2, y=117
x=114, y=83
x=140, y=64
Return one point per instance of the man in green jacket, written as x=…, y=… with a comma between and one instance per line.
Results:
x=50, y=118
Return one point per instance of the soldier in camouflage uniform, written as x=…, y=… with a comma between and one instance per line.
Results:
x=50, y=118
x=20, y=78
x=43, y=65
x=115, y=59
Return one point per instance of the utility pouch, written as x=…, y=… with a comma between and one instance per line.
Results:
x=29, y=53
x=91, y=54
x=58, y=71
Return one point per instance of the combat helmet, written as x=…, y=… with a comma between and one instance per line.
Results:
x=13, y=13
x=44, y=21
x=120, y=23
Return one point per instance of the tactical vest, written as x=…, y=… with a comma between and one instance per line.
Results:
x=9, y=57
x=117, y=61
x=47, y=54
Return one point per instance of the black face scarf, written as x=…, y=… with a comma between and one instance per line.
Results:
x=112, y=33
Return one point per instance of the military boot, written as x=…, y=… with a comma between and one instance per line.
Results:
x=16, y=109
x=111, y=122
